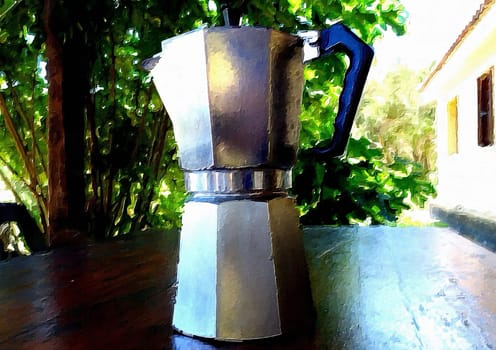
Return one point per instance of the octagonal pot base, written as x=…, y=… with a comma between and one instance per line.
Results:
x=242, y=273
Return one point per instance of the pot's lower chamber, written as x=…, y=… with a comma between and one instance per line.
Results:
x=242, y=272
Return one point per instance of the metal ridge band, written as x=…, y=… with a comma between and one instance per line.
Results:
x=229, y=181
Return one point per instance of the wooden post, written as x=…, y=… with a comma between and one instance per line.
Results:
x=61, y=230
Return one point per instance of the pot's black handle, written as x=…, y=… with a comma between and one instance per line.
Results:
x=339, y=38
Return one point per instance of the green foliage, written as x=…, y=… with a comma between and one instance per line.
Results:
x=368, y=184
x=392, y=116
x=360, y=187
x=369, y=18
x=23, y=107
x=386, y=170
x=133, y=176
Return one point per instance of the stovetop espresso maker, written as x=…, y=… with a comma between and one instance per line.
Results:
x=234, y=96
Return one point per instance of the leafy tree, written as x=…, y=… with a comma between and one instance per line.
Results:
x=134, y=179
x=119, y=142
x=110, y=108
x=23, y=159
x=392, y=116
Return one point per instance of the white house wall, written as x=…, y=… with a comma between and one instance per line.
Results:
x=467, y=178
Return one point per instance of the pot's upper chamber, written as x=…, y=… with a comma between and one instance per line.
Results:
x=234, y=96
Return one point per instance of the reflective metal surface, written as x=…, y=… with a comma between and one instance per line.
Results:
x=234, y=96
x=238, y=181
x=181, y=82
x=242, y=272
x=311, y=46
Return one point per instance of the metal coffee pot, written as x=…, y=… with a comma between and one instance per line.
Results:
x=234, y=97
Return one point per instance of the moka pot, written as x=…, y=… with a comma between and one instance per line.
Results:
x=234, y=97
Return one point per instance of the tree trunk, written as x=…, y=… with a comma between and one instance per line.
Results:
x=75, y=90
x=64, y=170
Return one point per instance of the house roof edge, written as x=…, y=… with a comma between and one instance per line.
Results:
x=484, y=7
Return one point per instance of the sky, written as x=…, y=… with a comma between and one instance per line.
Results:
x=432, y=26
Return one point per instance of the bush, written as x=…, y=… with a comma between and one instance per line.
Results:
x=359, y=187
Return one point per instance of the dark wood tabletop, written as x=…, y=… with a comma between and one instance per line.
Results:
x=373, y=288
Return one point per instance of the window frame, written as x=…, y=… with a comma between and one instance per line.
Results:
x=452, y=111
x=485, y=109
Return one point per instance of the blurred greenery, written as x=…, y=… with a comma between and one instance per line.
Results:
x=131, y=174
x=389, y=164
x=361, y=187
x=391, y=115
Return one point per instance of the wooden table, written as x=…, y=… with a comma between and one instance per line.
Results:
x=373, y=288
